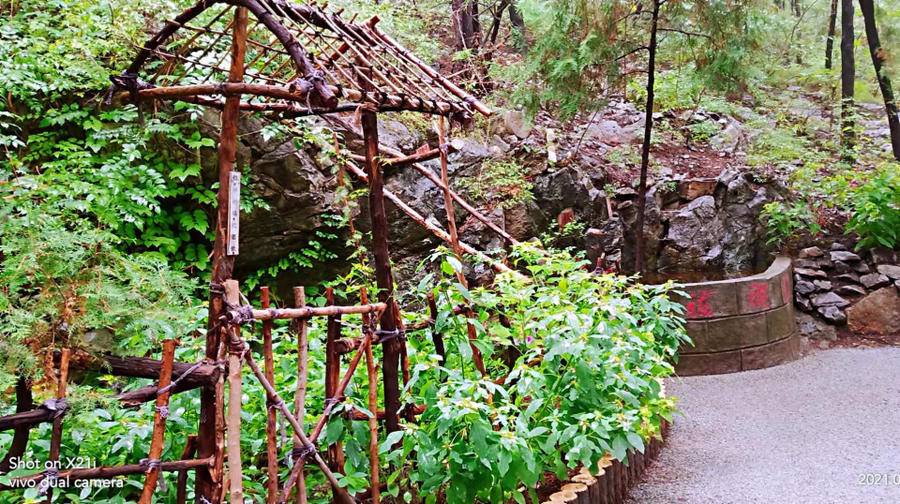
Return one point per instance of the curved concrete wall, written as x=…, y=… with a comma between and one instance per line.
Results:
x=740, y=324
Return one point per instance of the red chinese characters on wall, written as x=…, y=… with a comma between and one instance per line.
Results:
x=699, y=306
x=758, y=296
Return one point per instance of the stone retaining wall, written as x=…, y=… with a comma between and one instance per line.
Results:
x=740, y=324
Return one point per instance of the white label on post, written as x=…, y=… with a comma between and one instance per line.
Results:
x=234, y=212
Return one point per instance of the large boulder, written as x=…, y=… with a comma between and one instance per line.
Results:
x=695, y=235
x=877, y=313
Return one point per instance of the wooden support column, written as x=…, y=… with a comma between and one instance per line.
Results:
x=56, y=433
x=333, y=375
x=271, y=426
x=300, y=327
x=235, y=364
x=210, y=439
x=159, y=422
x=390, y=361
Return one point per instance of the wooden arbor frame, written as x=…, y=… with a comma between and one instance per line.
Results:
x=287, y=60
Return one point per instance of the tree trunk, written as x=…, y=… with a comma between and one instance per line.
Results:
x=884, y=81
x=848, y=79
x=829, y=42
x=465, y=23
x=515, y=17
x=639, y=251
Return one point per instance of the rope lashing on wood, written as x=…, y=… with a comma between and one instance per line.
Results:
x=384, y=335
x=50, y=476
x=130, y=82
x=57, y=406
x=175, y=382
x=149, y=464
x=238, y=315
x=302, y=452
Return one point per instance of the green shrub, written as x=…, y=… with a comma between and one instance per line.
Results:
x=784, y=222
x=876, y=209
x=67, y=284
x=588, y=357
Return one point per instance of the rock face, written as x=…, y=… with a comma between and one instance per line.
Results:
x=694, y=235
x=877, y=313
x=719, y=229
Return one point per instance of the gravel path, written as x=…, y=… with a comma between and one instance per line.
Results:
x=804, y=432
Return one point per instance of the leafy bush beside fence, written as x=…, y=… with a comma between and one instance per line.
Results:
x=583, y=357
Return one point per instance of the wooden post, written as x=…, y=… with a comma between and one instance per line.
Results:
x=56, y=433
x=404, y=357
x=302, y=377
x=235, y=363
x=333, y=375
x=210, y=440
x=390, y=361
x=271, y=426
x=159, y=422
x=454, y=241
x=436, y=337
x=374, y=460
x=181, y=487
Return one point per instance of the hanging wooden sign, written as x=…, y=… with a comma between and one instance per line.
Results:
x=234, y=212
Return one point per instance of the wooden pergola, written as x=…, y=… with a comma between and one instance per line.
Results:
x=290, y=60
x=282, y=60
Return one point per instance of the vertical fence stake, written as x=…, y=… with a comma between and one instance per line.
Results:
x=189, y=448
x=333, y=375
x=436, y=337
x=235, y=363
x=56, y=433
x=159, y=422
x=302, y=377
x=271, y=426
x=374, y=460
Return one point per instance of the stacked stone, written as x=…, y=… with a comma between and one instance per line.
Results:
x=840, y=287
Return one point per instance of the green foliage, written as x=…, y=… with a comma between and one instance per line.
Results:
x=784, y=222
x=582, y=49
x=779, y=146
x=876, y=209
x=702, y=131
x=500, y=181
x=141, y=181
x=584, y=355
x=67, y=283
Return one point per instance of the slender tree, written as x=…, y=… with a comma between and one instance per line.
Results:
x=639, y=243
x=829, y=42
x=848, y=80
x=884, y=81
x=466, y=25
